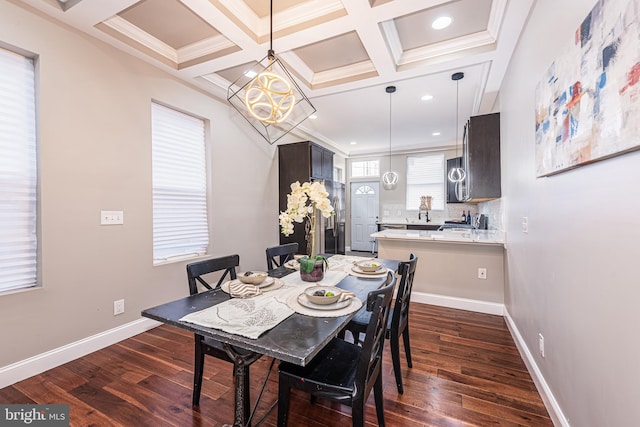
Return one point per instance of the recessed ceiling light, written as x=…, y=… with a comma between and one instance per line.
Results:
x=313, y=116
x=250, y=74
x=435, y=134
x=441, y=22
x=427, y=97
x=353, y=143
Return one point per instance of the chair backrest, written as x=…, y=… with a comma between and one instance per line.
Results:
x=379, y=304
x=407, y=270
x=197, y=269
x=278, y=255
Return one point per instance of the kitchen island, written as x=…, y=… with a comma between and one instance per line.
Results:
x=448, y=266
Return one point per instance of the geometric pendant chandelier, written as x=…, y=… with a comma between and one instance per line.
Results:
x=268, y=97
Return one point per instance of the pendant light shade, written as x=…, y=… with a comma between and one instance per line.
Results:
x=268, y=97
x=458, y=174
x=390, y=178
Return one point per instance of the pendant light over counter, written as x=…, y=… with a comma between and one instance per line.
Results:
x=268, y=97
x=390, y=178
x=457, y=174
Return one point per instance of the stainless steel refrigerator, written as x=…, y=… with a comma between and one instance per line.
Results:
x=334, y=227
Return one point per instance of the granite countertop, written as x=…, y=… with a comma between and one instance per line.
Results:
x=484, y=237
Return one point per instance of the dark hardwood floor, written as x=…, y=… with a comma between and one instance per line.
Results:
x=466, y=372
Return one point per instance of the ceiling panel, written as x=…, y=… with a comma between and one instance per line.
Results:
x=469, y=16
x=338, y=51
x=169, y=21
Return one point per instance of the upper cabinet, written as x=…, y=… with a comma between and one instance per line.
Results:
x=481, y=158
x=301, y=161
x=321, y=162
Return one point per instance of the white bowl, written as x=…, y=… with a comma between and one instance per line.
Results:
x=253, y=277
x=369, y=265
x=317, y=294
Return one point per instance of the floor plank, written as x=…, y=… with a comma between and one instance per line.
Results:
x=466, y=372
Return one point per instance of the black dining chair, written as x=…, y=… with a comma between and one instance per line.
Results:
x=398, y=319
x=278, y=255
x=204, y=345
x=344, y=372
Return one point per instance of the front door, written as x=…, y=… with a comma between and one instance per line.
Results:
x=364, y=214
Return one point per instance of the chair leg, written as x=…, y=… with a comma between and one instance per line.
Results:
x=395, y=358
x=357, y=412
x=407, y=346
x=198, y=368
x=377, y=394
x=283, y=402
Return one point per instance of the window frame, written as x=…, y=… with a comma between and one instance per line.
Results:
x=366, y=166
x=203, y=193
x=439, y=201
x=26, y=273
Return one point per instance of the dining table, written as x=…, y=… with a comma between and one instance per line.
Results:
x=296, y=339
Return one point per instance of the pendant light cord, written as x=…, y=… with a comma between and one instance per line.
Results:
x=271, y=53
x=390, y=93
x=457, y=112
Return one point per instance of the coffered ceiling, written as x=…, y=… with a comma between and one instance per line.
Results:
x=343, y=53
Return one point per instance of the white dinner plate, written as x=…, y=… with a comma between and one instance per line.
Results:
x=272, y=285
x=379, y=271
x=303, y=301
x=293, y=264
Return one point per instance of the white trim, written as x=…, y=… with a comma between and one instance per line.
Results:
x=459, y=303
x=550, y=402
x=35, y=365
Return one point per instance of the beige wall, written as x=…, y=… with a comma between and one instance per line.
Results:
x=94, y=134
x=574, y=276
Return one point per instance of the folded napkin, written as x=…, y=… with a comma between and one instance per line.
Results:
x=344, y=295
x=243, y=290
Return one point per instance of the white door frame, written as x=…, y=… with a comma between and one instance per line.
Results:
x=364, y=217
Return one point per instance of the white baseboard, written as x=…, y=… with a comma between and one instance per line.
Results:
x=460, y=303
x=24, y=369
x=550, y=402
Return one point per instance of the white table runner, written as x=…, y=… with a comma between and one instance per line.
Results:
x=251, y=317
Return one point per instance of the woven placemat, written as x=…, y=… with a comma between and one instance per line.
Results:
x=277, y=284
x=293, y=303
x=349, y=270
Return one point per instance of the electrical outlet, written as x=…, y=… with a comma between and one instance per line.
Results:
x=525, y=224
x=118, y=307
x=482, y=273
x=541, y=344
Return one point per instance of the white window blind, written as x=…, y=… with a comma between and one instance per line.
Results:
x=18, y=173
x=180, y=227
x=425, y=177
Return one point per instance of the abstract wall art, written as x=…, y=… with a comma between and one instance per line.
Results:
x=588, y=102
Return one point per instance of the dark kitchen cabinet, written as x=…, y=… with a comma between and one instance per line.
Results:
x=455, y=162
x=425, y=227
x=481, y=158
x=301, y=161
x=321, y=162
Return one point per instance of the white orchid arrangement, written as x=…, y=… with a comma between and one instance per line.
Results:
x=304, y=199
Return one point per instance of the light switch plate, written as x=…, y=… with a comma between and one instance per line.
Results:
x=111, y=217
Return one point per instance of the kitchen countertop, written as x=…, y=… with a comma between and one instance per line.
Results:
x=404, y=221
x=469, y=236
